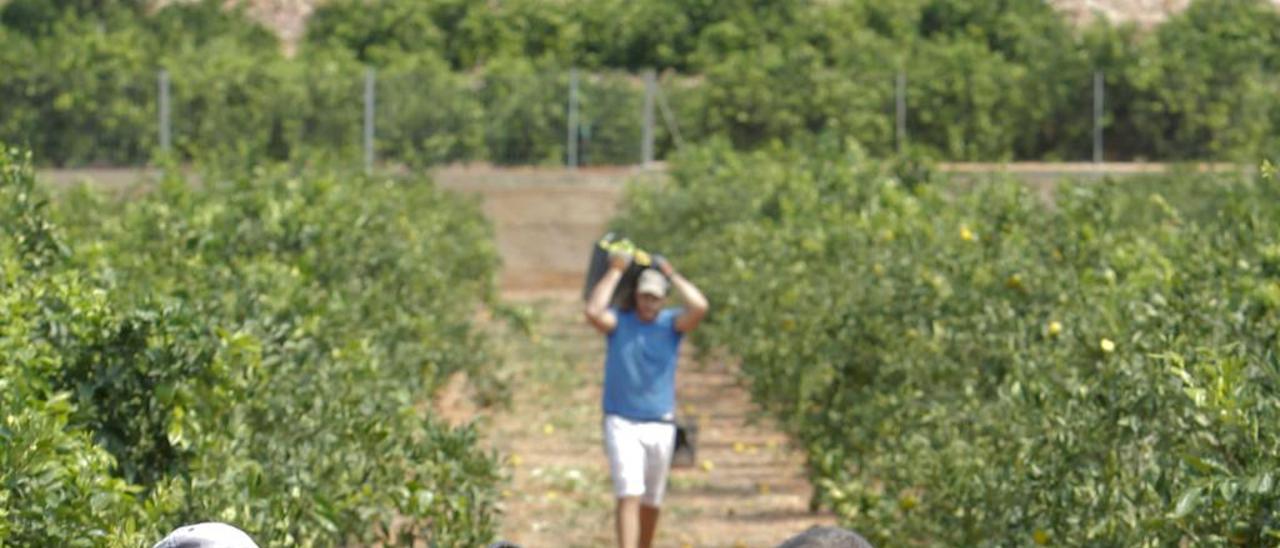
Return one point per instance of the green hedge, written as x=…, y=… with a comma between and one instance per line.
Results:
x=1205, y=84
x=89, y=100
x=475, y=81
x=977, y=367
x=258, y=351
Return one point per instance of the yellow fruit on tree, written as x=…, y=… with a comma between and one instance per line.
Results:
x=1040, y=536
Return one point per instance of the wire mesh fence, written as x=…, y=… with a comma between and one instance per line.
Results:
x=419, y=112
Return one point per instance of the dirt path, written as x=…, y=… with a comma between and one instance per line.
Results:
x=748, y=488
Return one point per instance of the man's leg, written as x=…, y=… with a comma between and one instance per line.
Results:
x=628, y=522
x=660, y=440
x=648, y=524
x=626, y=467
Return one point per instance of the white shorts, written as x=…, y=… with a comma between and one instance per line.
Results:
x=639, y=457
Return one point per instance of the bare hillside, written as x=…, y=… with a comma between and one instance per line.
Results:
x=1143, y=12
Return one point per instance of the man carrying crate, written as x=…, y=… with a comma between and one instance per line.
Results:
x=643, y=341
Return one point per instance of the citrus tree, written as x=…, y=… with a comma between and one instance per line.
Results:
x=258, y=350
x=975, y=365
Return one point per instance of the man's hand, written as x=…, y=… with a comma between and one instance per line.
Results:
x=664, y=266
x=619, y=260
x=695, y=303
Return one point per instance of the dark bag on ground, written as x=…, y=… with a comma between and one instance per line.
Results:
x=685, y=454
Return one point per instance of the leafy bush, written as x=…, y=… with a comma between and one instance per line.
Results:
x=57, y=486
x=88, y=100
x=610, y=106
x=39, y=17
x=256, y=351
x=742, y=99
x=375, y=32
x=427, y=114
x=525, y=112
x=181, y=26
x=978, y=368
x=986, y=80
x=1207, y=89
x=230, y=105
x=963, y=104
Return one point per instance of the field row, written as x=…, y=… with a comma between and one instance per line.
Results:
x=258, y=350
x=986, y=367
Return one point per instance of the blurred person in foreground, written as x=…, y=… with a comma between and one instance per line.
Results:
x=207, y=535
x=643, y=342
x=826, y=537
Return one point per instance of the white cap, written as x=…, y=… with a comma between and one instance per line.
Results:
x=652, y=282
x=207, y=535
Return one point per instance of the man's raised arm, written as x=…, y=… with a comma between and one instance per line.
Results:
x=695, y=303
x=597, y=309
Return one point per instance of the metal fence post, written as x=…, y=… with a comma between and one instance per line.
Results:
x=672, y=125
x=166, y=139
x=368, y=119
x=573, y=119
x=900, y=111
x=1098, y=90
x=646, y=137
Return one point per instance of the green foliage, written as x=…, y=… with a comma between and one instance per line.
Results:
x=375, y=32
x=1008, y=80
x=257, y=351
x=961, y=103
x=57, y=486
x=194, y=24
x=91, y=98
x=974, y=367
x=609, y=113
x=35, y=241
x=1207, y=86
x=526, y=112
x=743, y=102
x=88, y=100
x=233, y=104
x=427, y=114
x=39, y=17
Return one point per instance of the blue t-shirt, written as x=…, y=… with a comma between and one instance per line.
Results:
x=640, y=366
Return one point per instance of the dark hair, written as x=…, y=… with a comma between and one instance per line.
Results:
x=627, y=296
x=826, y=537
